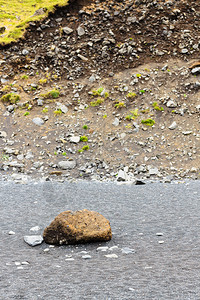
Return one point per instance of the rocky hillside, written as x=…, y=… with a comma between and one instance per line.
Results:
x=104, y=90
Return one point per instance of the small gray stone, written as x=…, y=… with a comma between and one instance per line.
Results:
x=159, y=234
x=80, y=31
x=103, y=248
x=3, y=134
x=92, y=78
x=111, y=255
x=171, y=104
x=69, y=259
x=122, y=176
x=195, y=70
x=184, y=51
x=82, y=57
x=187, y=132
x=86, y=256
x=38, y=121
x=67, y=164
x=67, y=30
x=11, y=232
x=75, y=139
x=173, y=126
x=16, y=164
x=40, y=102
x=116, y=122
x=127, y=250
x=25, y=52
x=62, y=107
x=35, y=229
x=33, y=240
x=153, y=171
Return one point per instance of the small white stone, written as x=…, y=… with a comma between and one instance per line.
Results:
x=38, y=121
x=17, y=263
x=159, y=234
x=36, y=228
x=20, y=268
x=75, y=139
x=83, y=252
x=46, y=250
x=11, y=232
x=113, y=248
x=33, y=240
x=69, y=259
x=25, y=263
x=111, y=255
x=86, y=256
x=173, y=126
x=102, y=248
x=161, y=242
x=116, y=122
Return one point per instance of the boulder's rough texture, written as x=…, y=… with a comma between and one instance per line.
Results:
x=82, y=226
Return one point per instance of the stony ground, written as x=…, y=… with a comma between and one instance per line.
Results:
x=78, y=90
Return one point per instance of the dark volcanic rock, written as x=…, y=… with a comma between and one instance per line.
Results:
x=82, y=226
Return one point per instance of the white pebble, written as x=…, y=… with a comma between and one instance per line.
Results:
x=86, y=256
x=11, y=232
x=102, y=248
x=111, y=255
x=25, y=263
x=46, y=250
x=113, y=248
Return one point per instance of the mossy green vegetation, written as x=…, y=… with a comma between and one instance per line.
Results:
x=84, y=148
x=51, y=94
x=157, y=107
x=45, y=110
x=83, y=138
x=10, y=98
x=148, y=122
x=97, y=92
x=16, y=15
x=43, y=81
x=85, y=127
x=134, y=114
x=98, y=102
x=57, y=112
x=120, y=105
x=23, y=77
x=131, y=95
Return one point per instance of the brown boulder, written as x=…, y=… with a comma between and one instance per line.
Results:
x=82, y=226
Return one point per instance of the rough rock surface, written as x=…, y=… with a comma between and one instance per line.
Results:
x=82, y=226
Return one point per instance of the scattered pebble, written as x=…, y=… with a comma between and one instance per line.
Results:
x=111, y=255
x=11, y=232
x=33, y=240
x=86, y=256
x=105, y=248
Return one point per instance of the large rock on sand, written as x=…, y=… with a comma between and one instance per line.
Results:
x=82, y=226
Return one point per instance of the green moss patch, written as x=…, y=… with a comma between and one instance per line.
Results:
x=10, y=98
x=148, y=122
x=16, y=15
